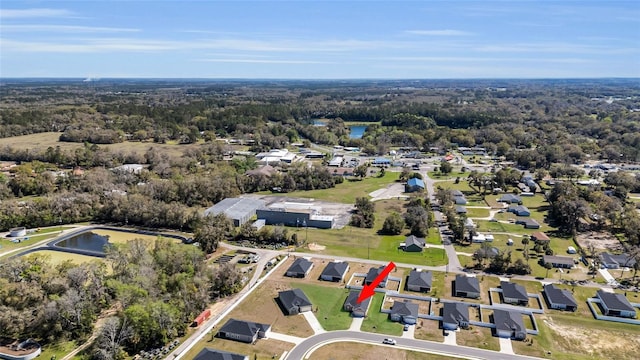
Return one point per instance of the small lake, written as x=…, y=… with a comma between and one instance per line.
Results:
x=317, y=122
x=86, y=241
x=357, y=131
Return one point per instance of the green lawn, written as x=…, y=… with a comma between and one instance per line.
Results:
x=348, y=191
x=57, y=350
x=434, y=237
x=477, y=213
x=378, y=322
x=329, y=303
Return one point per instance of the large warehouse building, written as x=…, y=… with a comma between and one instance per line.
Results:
x=240, y=210
x=295, y=214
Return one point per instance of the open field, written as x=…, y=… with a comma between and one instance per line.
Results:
x=428, y=330
x=42, y=141
x=348, y=191
x=120, y=237
x=261, y=306
x=359, y=351
x=378, y=322
x=328, y=302
x=263, y=349
x=477, y=336
x=57, y=350
x=58, y=257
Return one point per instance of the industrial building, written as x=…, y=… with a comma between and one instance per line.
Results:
x=239, y=210
x=295, y=214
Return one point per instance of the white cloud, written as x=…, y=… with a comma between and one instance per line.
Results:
x=63, y=28
x=33, y=13
x=266, y=61
x=446, y=32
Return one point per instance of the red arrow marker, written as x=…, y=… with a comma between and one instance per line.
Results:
x=368, y=290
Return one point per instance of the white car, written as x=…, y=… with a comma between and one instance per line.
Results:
x=389, y=341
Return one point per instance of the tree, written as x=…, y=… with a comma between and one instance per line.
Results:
x=547, y=266
x=361, y=170
x=110, y=339
x=393, y=224
x=364, y=216
x=445, y=167
x=211, y=231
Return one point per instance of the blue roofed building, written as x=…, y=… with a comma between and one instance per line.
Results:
x=414, y=184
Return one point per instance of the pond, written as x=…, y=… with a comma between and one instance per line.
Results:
x=357, y=131
x=86, y=241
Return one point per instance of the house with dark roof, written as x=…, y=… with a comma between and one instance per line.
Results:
x=519, y=210
x=373, y=274
x=213, y=354
x=509, y=324
x=510, y=199
x=335, y=271
x=616, y=261
x=461, y=209
x=559, y=299
x=514, y=294
x=414, y=184
x=466, y=286
x=404, y=311
x=558, y=261
x=615, y=304
x=351, y=304
x=528, y=223
x=419, y=281
x=244, y=331
x=300, y=268
x=460, y=200
x=455, y=315
x=456, y=193
x=413, y=244
x=294, y=302
x=539, y=237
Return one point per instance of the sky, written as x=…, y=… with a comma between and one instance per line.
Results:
x=308, y=39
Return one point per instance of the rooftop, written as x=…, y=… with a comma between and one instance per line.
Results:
x=235, y=207
x=615, y=301
x=508, y=320
x=420, y=278
x=295, y=297
x=559, y=296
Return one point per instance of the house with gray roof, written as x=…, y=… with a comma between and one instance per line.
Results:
x=455, y=315
x=514, y=294
x=509, y=324
x=614, y=304
x=519, y=210
x=419, y=281
x=466, y=286
x=404, y=311
x=300, y=268
x=244, y=331
x=460, y=200
x=335, y=271
x=528, y=223
x=559, y=299
x=213, y=354
x=616, y=261
x=373, y=274
x=413, y=243
x=558, y=261
x=461, y=209
x=351, y=304
x=294, y=301
x=510, y=199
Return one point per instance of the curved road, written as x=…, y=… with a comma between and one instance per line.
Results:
x=301, y=350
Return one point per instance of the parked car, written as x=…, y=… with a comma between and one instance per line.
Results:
x=406, y=327
x=389, y=341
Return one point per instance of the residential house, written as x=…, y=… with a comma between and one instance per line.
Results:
x=373, y=274
x=615, y=304
x=559, y=299
x=514, y=294
x=335, y=271
x=539, y=237
x=300, y=268
x=510, y=199
x=294, y=301
x=519, y=210
x=351, y=304
x=244, y=331
x=466, y=286
x=213, y=354
x=404, y=311
x=616, y=261
x=558, y=261
x=455, y=315
x=487, y=252
x=414, y=184
x=469, y=224
x=461, y=209
x=456, y=193
x=419, y=281
x=509, y=324
x=460, y=200
x=413, y=244
x=528, y=223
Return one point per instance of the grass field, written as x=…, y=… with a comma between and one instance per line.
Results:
x=360, y=351
x=479, y=337
x=348, y=191
x=378, y=322
x=42, y=141
x=120, y=237
x=328, y=301
x=57, y=257
x=428, y=330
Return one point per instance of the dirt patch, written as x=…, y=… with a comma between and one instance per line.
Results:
x=316, y=247
x=601, y=342
x=600, y=240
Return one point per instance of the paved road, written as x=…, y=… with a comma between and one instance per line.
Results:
x=299, y=352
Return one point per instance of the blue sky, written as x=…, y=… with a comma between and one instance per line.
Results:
x=320, y=39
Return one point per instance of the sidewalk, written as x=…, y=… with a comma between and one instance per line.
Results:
x=451, y=338
x=505, y=346
x=356, y=324
x=313, y=322
x=409, y=334
x=286, y=338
